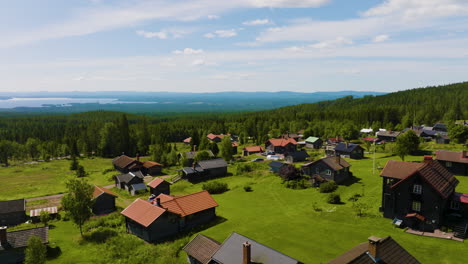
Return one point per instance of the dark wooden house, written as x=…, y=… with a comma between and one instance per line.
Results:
x=417, y=194
x=388, y=136
x=12, y=212
x=348, y=150
x=104, y=201
x=252, y=150
x=190, y=157
x=12, y=242
x=294, y=136
x=132, y=182
x=275, y=166
x=454, y=161
x=126, y=164
x=281, y=145
x=296, y=156
x=216, y=138
x=236, y=249
x=376, y=250
x=151, y=168
x=204, y=170
x=167, y=216
x=313, y=142
x=330, y=169
x=442, y=139
x=158, y=186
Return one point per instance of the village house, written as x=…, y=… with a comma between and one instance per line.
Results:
x=334, y=140
x=281, y=145
x=454, y=161
x=296, y=156
x=313, y=142
x=158, y=186
x=166, y=216
x=327, y=169
x=35, y=214
x=132, y=182
x=294, y=136
x=216, y=138
x=12, y=212
x=388, y=136
x=236, y=249
x=187, y=140
x=204, y=170
x=151, y=168
x=190, y=157
x=376, y=250
x=126, y=164
x=252, y=150
x=417, y=195
x=104, y=200
x=275, y=166
x=11, y=241
x=348, y=150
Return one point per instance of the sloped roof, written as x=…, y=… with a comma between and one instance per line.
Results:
x=143, y=212
x=254, y=149
x=100, y=190
x=301, y=154
x=399, y=169
x=335, y=163
x=231, y=252
x=276, y=164
x=212, y=164
x=122, y=161
x=282, y=142
x=192, y=154
x=202, y=248
x=453, y=156
x=389, y=252
x=187, y=140
x=19, y=239
x=12, y=206
x=312, y=139
x=149, y=164
x=190, y=204
x=127, y=177
x=154, y=183
x=164, y=197
x=212, y=136
x=388, y=133
x=348, y=148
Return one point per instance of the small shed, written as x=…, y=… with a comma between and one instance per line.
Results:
x=151, y=168
x=296, y=156
x=252, y=150
x=275, y=166
x=313, y=142
x=104, y=200
x=35, y=213
x=158, y=186
x=137, y=188
x=12, y=212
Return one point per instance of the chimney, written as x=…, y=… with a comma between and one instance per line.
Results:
x=138, y=156
x=374, y=247
x=194, y=147
x=246, y=256
x=347, y=145
x=3, y=235
x=158, y=202
x=193, y=166
x=428, y=159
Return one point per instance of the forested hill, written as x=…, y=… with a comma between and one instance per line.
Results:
x=110, y=133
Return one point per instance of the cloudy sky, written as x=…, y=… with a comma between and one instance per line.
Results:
x=232, y=45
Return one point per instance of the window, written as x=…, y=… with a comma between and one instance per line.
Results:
x=416, y=206
x=329, y=172
x=417, y=188
x=317, y=170
x=455, y=205
x=448, y=164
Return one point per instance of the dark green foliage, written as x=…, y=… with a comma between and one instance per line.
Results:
x=458, y=133
x=290, y=172
x=333, y=198
x=80, y=172
x=406, y=144
x=74, y=163
x=202, y=155
x=242, y=168
x=215, y=187
x=298, y=184
x=328, y=187
x=78, y=201
x=226, y=148
x=247, y=188
x=214, y=148
x=35, y=252
x=44, y=216
x=355, y=197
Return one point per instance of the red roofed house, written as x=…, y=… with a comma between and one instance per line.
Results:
x=158, y=186
x=187, y=140
x=251, y=150
x=454, y=161
x=281, y=145
x=419, y=194
x=125, y=164
x=215, y=138
x=167, y=216
x=104, y=201
x=151, y=168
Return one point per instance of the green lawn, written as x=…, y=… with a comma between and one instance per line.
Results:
x=46, y=178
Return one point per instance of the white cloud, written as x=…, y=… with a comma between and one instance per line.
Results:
x=147, y=34
x=288, y=3
x=198, y=62
x=256, y=22
x=222, y=33
x=380, y=38
x=209, y=35
x=339, y=41
x=188, y=51
x=213, y=17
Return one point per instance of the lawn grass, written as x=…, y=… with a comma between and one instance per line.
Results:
x=47, y=178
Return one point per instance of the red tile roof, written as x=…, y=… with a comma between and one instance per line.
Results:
x=453, y=156
x=154, y=183
x=461, y=197
x=187, y=140
x=213, y=136
x=143, y=212
x=235, y=144
x=149, y=164
x=100, y=190
x=164, y=197
x=254, y=149
x=190, y=204
x=202, y=248
x=282, y=142
x=400, y=169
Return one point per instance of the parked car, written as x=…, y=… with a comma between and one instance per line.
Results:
x=273, y=157
x=257, y=160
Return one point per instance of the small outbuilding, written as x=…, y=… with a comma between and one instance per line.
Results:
x=313, y=142
x=158, y=186
x=12, y=212
x=104, y=200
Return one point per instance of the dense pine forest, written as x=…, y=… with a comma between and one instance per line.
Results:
x=107, y=134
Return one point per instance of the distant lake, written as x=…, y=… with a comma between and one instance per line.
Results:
x=58, y=102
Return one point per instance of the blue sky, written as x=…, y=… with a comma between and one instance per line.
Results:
x=232, y=45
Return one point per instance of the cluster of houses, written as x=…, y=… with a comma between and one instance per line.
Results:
x=437, y=133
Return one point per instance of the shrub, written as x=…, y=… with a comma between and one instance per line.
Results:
x=247, y=188
x=355, y=197
x=243, y=168
x=333, y=198
x=316, y=208
x=298, y=184
x=289, y=172
x=328, y=187
x=215, y=187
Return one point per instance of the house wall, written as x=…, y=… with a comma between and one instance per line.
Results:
x=199, y=218
x=153, y=171
x=217, y=172
x=104, y=204
x=456, y=168
x=316, y=145
x=14, y=218
x=337, y=176
x=165, y=226
x=161, y=188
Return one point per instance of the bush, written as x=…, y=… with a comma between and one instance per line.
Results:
x=298, y=184
x=328, y=187
x=333, y=198
x=247, y=188
x=215, y=187
x=355, y=197
x=243, y=168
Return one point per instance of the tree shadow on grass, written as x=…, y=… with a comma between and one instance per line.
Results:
x=53, y=252
x=99, y=235
x=350, y=181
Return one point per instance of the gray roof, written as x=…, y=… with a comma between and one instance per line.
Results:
x=276, y=164
x=231, y=252
x=139, y=186
x=12, y=206
x=19, y=239
x=212, y=164
x=192, y=154
x=348, y=148
x=127, y=177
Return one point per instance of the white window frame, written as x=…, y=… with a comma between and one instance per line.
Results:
x=417, y=188
x=317, y=170
x=329, y=172
x=416, y=206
